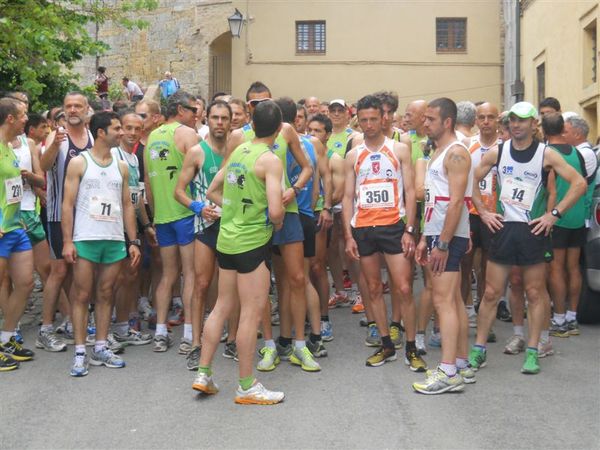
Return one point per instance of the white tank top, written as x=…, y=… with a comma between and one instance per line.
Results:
x=521, y=193
x=23, y=154
x=99, y=209
x=437, y=197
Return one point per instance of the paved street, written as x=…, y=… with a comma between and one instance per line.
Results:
x=150, y=403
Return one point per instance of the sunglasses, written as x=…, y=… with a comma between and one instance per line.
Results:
x=143, y=115
x=190, y=108
x=253, y=103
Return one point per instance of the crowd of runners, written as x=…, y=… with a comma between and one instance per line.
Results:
x=231, y=217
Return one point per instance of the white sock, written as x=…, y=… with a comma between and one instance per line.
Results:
x=545, y=335
x=571, y=316
x=559, y=319
x=518, y=330
x=177, y=302
x=448, y=369
x=5, y=336
x=80, y=349
x=187, y=331
x=47, y=328
x=461, y=363
x=270, y=343
x=99, y=345
x=122, y=328
x=69, y=327
x=161, y=329
x=299, y=344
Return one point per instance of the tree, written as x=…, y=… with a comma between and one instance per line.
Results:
x=40, y=40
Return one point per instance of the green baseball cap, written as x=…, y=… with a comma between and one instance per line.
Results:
x=524, y=110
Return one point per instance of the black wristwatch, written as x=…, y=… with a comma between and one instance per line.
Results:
x=410, y=230
x=135, y=242
x=443, y=246
x=556, y=213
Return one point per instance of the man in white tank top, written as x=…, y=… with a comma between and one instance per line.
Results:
x=445, y=239
x=522, y=226
x=96, y=186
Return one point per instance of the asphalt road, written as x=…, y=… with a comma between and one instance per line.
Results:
x=150, y=403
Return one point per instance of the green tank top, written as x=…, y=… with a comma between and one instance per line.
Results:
x=244, y=220
x=575, y=216
x=201, y=182
x=164, y=165
x=338, y=141
x=416, y=143
x=11, y=190
x=280, y=148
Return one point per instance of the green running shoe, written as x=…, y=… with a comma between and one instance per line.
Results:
x=532, y=364
x=477, y=358
x=303, y=357
x=269, y=359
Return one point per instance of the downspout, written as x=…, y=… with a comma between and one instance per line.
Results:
x=519, y=88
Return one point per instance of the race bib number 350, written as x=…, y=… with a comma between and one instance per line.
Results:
x=103, y=209
x=517, y=193
x=377, y=195
x=14, y=190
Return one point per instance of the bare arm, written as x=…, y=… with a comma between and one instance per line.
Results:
x=324, y=173
x=551, y=187
x=52, y=146
x=273, y=172
x=129, y=215
x=215, y=190
x=338, y=178
x=147, y=183
x=235, y=139
x=491, y=219
x=191, y=164
x=410, y=202
x=348, y=204
x=420, y=169
x=36, y=176
x=293, y=141
x=74, y=173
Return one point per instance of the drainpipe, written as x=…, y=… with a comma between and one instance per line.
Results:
x=518, y=87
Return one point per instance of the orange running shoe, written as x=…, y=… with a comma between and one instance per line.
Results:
x=338, y=299
x=358, y=307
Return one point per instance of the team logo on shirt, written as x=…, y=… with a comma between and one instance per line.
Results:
x=375, y=166
x=338, y=145
x=375, y=157
x=531, y=175
x=388, y=173
x=231, y=178
x=507, y=170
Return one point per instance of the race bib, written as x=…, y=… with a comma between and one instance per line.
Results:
x=377, y=195
x=517, y=193
x=14, y=190
x=134, y=193
x=143, y=192
x=428, y=197
x=485, y=185
x=104, y=209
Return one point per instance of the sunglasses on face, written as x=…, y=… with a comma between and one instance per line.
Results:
x=190, y=108
x=143, y=115
x=253, y=103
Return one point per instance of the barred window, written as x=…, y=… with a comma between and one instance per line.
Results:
x=310, y=37
x=451, y=35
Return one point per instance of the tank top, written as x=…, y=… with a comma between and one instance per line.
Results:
x=304, y=198
x=338, y=141
x=575, y=216
x=417, y=144
x=11, y=190
x=379, y=188
x=521, y=192
x=437, y=197
x=23, y=154
x=134, y=173
x=244, y=221
x=55, y=179
x=487, y=186
x=164, y=162
x=202, y=180
x=99, y=207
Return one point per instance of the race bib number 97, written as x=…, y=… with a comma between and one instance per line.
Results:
x=377, y=195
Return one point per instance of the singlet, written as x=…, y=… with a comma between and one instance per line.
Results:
x=304, y=198
x=280, y=148
x=521, y=191
x=11, y=190
x=23, y=154
x=337, y=142
x=134, y=173
x=437, y=197
x=164, y=163
x=55, y=180
x=379, y=188
x=202, y=180
x=244, y=221
x=99, y=206
x=139, y=152
x=417, y=144
x=575, y=216
x=487, y=186
x=591, y=168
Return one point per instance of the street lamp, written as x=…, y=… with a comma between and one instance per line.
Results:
x=236, y=22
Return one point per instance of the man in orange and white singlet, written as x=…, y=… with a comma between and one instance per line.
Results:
x=379, y=192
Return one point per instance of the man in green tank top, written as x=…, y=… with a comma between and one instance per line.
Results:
x=200, y=166
x=414, y=116
x=16, y=256
x=163, y=156
x=248, y=189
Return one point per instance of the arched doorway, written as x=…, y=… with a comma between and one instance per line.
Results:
x=220, y=65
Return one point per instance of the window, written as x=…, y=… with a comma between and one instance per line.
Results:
x=590, y=55
x=310, y=37
x=451, y=35
x=541, y=81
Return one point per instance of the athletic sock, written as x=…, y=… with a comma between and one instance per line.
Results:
x=177, y=302
x=122, y=328
x=386, y=342
x=5, y=336
x=325, y=318
x=270, y=343
x=396, y=324
x=187, y=331
x=571, y=316
x=284, y=342
x=410, y=346
x=532, y=349
x=299, y=344
x=421, y=332
x=314, y=338
x=481, y=347
x=559, y=319
x=205, y=369
x=47, y=328
x=448, y=369
x=246, y=382
x=69, y=327
x=519, y=330
x=545, y=336
x=161, y=329
x=462, y=363
x=80, y=349
x=99, y=345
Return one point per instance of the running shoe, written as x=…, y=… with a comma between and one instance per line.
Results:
x=144, y=308
x=381, y=356
x=437, y=382
x=230, y=351
x=284, y=352
x=420, y=343
x=477, y=357
x=414, y=361
x=338, y=299
x=176, y=318
x=275, y=320
x=491, y=337
x=573, y=327
x=133, y=338
x=185, y=346
x=502, y=312
x=357, y=306
x=557, y=330
x=50, y=342
x=192, y=360
x=532, y=364
x=162, y=343
x=62, y=327
x=363, y=322
x=135, y=324
x=545, y=348
x=113, y=345
x=258, y=395
x=7, y=363
x=467, y=374
x=18, y=334
x=16, y=351
x=304, y=358
x=514, y=345
x=204, y=383
x=80, y=365
x=317, y=348
x=347, y=280
x=224, y=336
x=435, y=340
x=396, y=336
x=269, y=359
x=373, y=338
x=106, y=357
x=326, y=331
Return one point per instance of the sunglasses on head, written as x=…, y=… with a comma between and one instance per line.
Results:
x=190, y=108
x=253, y=103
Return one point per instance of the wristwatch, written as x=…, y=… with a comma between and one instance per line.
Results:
x=135, y=242
x=410, y=230
x=297, y=190
x=443, y=246
x=556, y=213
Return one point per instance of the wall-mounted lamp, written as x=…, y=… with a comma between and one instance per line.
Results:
x=236, y=23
